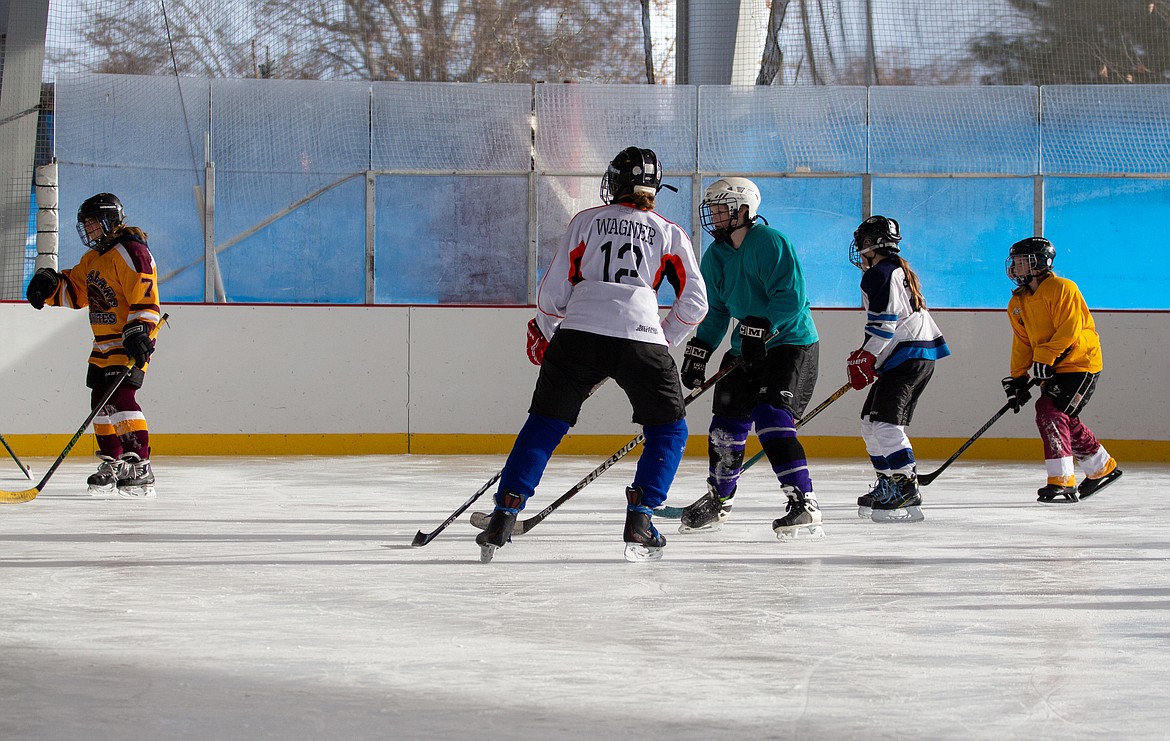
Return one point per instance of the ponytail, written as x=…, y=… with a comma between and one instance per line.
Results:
x=641, y=201
x=917, y=300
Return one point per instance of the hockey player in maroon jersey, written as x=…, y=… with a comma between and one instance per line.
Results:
x=897, y=356
x=1055, y=340
x=117, y=281
x=597, y=318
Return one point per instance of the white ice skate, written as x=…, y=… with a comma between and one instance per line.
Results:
x=803, y=518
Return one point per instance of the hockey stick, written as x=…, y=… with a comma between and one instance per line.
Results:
x=675, y=513
x=480, y=519
x=19, y=497
x=421, y=538
x=23, y=468
x=924, y=479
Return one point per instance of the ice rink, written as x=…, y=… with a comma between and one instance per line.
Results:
x=279, y=598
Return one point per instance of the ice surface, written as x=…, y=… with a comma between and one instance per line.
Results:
x=279, y=598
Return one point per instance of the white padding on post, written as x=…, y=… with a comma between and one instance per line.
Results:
x=47, y=222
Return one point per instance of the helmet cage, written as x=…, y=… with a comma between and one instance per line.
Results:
x=632, y=171
x=105, y=210
x=876, y=234
x=734, y=193
x=1029, y=259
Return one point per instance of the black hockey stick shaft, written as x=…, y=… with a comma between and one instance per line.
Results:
x=421, y=538
x=674, y=513
x=539, y=517
x=924, y=479
x=16, y=497
x=23, y=468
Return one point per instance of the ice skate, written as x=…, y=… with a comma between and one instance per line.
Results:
x=498, y=532
x=707, y=513
x=104, y=481
x=901, y=501
x=802, y=519
x=1089, y=487
x=643, y=541
x=499, y=525
x=135, y=480
x=1057, y=494
x=865, y=501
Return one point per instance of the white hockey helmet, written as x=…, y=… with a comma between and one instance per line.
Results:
x=733, y=193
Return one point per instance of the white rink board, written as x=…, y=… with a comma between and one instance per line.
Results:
x=254, y=369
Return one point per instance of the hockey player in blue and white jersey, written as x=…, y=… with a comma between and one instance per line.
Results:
x=897, y=357
x=597, y=318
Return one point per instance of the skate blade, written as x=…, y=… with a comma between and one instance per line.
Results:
x=902, y=514
x=864, y=512
x=711, y=527
x=1089, y=487
x=102, y=491
x=487, y=552
x=1059, y=499
x=137, y=492
x=800, y=532
x=636, y=552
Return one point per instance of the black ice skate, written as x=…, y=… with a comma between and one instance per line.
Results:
x=1089, y=487
x=135, y=480
x=901, y=501
x=802, y=518
x=500, y=524
x=105, y=479
x=865, y=501
x=643, y=541
x=1057, y=494
x=707, y=513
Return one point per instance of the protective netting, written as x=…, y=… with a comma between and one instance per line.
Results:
x=323, y=152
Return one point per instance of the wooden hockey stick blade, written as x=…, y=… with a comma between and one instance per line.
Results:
x=19, y=497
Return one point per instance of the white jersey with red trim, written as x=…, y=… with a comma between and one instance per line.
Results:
x=606, y=273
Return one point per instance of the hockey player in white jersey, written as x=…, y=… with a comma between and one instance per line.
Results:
x=901, y=344
x=597, y=318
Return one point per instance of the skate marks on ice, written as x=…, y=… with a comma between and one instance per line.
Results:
x=256, y=598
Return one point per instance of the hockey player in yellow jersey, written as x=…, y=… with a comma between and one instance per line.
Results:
x=1055, y=344
x=117, y=281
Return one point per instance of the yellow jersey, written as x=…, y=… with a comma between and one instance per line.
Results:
x=118, y=286
x=1053, y=326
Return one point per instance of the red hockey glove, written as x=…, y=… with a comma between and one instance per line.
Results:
x=537, y=343
x=861, y=369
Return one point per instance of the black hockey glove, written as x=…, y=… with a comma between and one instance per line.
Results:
x=694, y=364
x=753, y=338
x=42, y=285
x=1042, y=371
x=136, y=340
x=1017, y=391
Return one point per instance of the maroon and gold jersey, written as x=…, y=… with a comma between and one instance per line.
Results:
x=118, y=286
x=1053, y=326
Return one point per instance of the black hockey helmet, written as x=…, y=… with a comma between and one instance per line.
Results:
x=633, y=170
x=883, y=234
x=1029, y=258
x=106, y=210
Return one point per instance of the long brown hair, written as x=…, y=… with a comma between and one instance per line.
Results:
x=133, y=231
x=917, y=300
